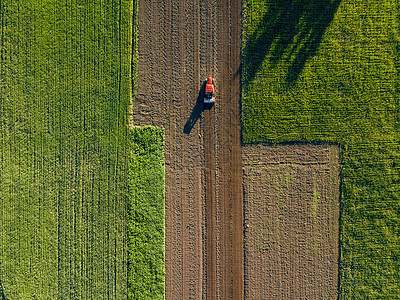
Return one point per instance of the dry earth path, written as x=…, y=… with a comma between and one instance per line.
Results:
x=180, y=44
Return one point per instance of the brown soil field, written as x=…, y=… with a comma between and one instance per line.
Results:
x=180, y=44
x=292, y=221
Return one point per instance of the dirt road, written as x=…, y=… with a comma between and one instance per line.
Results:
x=180, y=44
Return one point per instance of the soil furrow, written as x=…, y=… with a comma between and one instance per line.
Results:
x=230, y=195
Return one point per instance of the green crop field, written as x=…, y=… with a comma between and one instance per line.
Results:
x=328, y=70
x=64, y=98
x=146, y=214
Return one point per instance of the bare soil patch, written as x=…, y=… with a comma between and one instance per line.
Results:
x=292, y=221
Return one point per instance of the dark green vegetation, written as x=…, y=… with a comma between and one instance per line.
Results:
x=64, y=97
x=328, y=70
x=146, y=214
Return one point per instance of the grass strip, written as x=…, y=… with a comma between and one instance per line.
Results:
x=146, y=214
x=328, y=71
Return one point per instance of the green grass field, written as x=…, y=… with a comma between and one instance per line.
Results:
x=64, y=97
x=146, y=214
x=328, y=71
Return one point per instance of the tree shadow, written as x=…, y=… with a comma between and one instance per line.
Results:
x=291, y=30
x=196, y=111
x=2, y=295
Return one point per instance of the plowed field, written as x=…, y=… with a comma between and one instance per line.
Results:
x=292, y=221
x=180, y=44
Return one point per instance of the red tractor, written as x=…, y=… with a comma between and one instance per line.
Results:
x=209, y=93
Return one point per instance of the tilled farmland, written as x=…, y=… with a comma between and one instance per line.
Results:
x=180, y=44
x=292, y=221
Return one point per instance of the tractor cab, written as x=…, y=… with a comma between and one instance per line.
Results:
x=209, y=92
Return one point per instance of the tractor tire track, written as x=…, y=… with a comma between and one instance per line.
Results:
x=229, y=264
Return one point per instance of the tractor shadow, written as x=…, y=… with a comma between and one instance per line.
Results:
x=291, y=31
x=197, y=110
